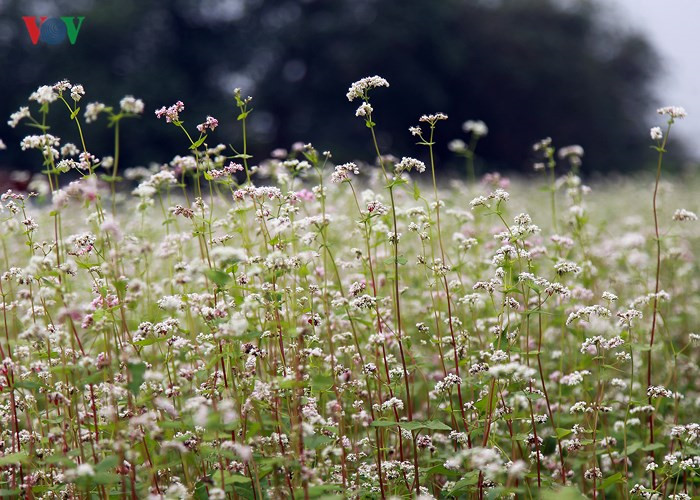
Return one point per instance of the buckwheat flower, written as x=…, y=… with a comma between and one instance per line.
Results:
x=394, y=238
x=574, y=378
x=217, y=494
x=30, y=224
x=243, y=451
x=407, y=164
x=652, y=466
x=364, y=302
x=342, y=172
x=476, y=127
x=626, y=317
x=171, y=302
x=683, y=215
x=694, y=337
x=673, y=111
x=479, y=201
x=658, y=391
x=359, y=89
x=2, y=145
x=44, y=95
x=593, y=473
x=392, y=403
x=611, y=297
x=499, y=195
x=433, y=119
x=172, y=113
x=357, y=288
x=656, y=133
x=446, y=384
x=457, y=146
x=542, y=145
x=210, y=123
x=93, y=110
x=670, y=459
x=567, y=151
x=46, y=143
x=586, y=312
x=129, y=104
x=69, y=149
x=365, y=109
x=564, y=267
x=84, y=470
x=415, y=130
x=18, y=116
x=77, y=92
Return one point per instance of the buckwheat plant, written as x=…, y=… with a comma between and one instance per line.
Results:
x=300, y=327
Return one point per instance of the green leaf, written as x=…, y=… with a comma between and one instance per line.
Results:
x=200, y=491
x=655, y=446
x=27, y=384
x=14, y=458
x=150, y=341
x=634, y=447
x=609, y=481
x=384, y=423
x=469, y=479
x=75, y=113
x=549, y=445
x=321, y=383
x=568, y=493
x=416, y=191
x=108, y=463
x=323, y=490
x=237, y=479
x=561, y=433
x=93, y=378
x=198, y=142
x=412, y=426
x=136, y=371
x=441, y=470
x=218, y=277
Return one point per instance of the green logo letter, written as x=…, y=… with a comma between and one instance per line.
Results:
x=71, y=28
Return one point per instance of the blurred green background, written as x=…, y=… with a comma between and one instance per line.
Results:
x=528, y=68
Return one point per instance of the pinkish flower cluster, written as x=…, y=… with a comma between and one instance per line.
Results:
x=171, y=113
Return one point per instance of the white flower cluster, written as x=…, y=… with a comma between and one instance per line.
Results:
x=673, y=111
x=407, y=164
x=585, y=313
x=476, y=127
x=593, y=344
x=359, y=89
x=683, y=215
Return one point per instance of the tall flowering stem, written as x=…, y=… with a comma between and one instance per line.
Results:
x=360, y=89
x=661, y=139
x=432, y=121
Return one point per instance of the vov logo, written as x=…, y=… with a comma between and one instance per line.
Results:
x=53, y=30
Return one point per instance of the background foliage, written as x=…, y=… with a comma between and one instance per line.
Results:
x=528, y=68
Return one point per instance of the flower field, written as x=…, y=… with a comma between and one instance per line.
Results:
x=304, y=326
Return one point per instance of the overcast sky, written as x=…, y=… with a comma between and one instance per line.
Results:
x=673, y=27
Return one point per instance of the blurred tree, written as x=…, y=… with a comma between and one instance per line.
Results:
x=528, y=68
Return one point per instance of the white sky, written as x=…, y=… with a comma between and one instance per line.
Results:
x=673, y=27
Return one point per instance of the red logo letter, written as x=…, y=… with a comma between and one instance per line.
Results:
x=32, y=28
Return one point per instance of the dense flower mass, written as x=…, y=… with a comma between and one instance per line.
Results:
x=171, y=113
x=359, y=89
x=223, y=326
